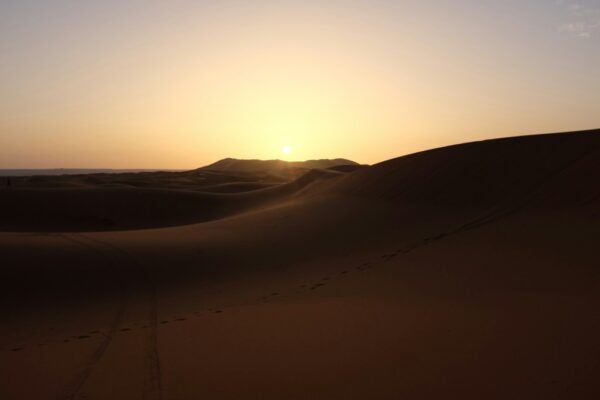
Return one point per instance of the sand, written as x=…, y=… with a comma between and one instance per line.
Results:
x=467, y=272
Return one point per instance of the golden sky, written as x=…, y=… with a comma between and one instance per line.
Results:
x=180, y=84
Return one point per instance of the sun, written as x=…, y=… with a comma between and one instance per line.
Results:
x=286, y=149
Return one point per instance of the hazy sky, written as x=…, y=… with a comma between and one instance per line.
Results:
x=179, y=84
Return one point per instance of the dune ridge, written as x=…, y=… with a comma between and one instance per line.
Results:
x=480, y=174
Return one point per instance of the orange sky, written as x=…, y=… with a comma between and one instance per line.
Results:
x=143, y=84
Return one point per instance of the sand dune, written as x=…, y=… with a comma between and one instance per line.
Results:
x=232, y=164
x=140, y=201
x=468, y=272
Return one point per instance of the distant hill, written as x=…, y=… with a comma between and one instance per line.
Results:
x=233, y=164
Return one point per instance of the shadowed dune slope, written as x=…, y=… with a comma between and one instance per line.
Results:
x=96, y=209
x=549, y=169
x=105, y=209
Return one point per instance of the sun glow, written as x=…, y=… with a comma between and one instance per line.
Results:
x=278, y=79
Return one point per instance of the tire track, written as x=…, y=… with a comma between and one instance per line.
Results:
x=152, y=381
x=152, y=389
x=74, y=387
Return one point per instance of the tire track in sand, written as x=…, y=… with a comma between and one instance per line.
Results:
x=73, y=388
x=152, y=378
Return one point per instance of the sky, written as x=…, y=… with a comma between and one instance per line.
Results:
x=182, y=83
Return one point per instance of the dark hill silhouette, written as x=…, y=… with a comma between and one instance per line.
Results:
x=232, y=164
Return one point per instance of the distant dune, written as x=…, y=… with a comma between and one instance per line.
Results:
x=469, y=271
x=95, y=202
x=68, y=171
x=232, y=164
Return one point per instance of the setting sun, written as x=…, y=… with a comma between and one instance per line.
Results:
x=286, y=150
x=350, y=78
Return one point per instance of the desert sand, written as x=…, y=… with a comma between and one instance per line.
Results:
x=465, y=272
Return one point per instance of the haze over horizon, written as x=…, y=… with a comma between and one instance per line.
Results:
x=181, y=84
